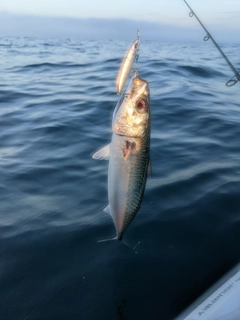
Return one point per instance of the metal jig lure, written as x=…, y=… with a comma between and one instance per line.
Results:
x=129, y=63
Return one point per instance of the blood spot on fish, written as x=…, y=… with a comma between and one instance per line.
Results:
x=130, y=146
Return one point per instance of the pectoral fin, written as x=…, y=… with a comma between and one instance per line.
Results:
x=103, y=153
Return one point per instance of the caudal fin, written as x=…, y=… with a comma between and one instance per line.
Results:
x=119, y=238
x=104, y=240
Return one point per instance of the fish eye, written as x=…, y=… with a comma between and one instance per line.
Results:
x=142, y=106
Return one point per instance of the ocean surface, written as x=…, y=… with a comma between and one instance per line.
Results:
x=56, y=102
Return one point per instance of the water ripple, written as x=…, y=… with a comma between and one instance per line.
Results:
x=57, y=98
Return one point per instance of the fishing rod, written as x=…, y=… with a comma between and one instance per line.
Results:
x=208, y=36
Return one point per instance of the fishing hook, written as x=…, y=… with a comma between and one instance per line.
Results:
x=208, y=36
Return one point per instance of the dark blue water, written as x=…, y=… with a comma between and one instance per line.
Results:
x=57, y=98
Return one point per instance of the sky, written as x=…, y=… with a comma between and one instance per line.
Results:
x=102, y=19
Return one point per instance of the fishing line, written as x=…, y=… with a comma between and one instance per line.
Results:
x=135, y=70
x=208, y=36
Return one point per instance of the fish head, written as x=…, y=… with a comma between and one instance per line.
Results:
x=132, y=114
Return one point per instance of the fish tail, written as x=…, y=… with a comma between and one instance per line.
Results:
x=110, y=239
x=119, y=238
x=127, y=244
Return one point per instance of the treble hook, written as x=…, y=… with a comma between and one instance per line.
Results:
x=208, y=36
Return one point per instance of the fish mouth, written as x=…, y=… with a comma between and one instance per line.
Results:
x=128, y=131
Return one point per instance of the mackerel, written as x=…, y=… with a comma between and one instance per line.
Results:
x=128, y=154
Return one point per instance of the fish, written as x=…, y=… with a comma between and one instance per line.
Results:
x=127, y=64
x=128, y=154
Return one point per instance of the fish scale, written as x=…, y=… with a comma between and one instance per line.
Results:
x=136, y=187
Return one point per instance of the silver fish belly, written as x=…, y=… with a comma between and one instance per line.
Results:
x=128, y=166
x=128, y=155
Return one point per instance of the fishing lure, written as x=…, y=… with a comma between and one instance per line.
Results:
x=208, y=36
x=127, y=64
